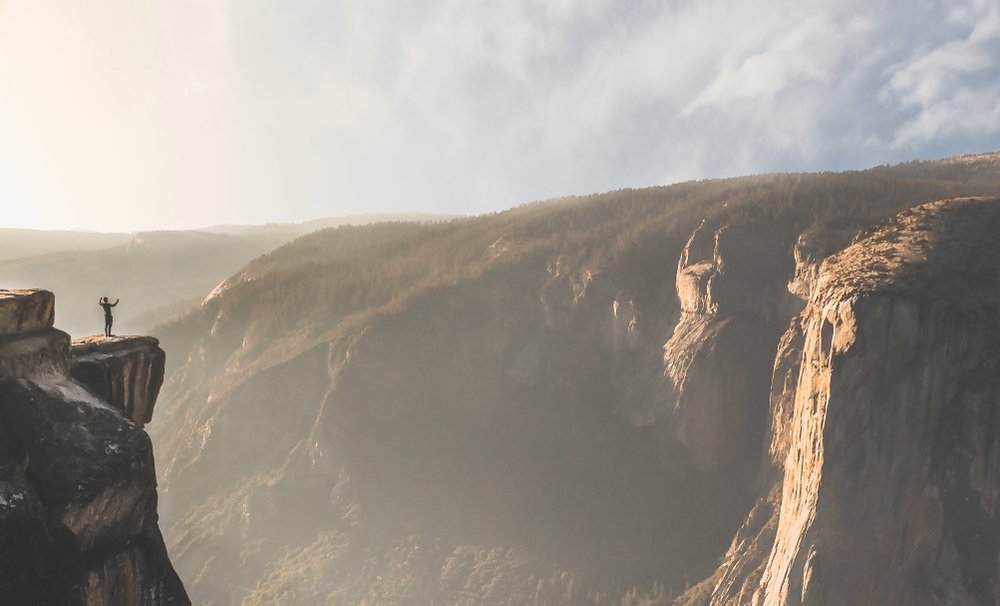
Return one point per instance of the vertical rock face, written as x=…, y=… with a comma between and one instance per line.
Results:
x=126, y=372
x=719, y=355
x=78, y=521
x=889, y=443
x=811, y=248
x=24, y=311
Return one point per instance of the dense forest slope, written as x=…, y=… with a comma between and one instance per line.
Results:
x=570, y=402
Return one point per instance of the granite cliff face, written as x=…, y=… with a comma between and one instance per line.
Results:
x=733, y=304
x=885, y=438
x=78, y=521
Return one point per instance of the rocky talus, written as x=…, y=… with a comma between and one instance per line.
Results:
x=884, y=442
x=78, y=520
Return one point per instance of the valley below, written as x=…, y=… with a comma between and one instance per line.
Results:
x=776, y=390
x=766, y=390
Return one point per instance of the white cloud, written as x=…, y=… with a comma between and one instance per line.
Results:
x=788, y=60
x=953, y=87
x=187, y=113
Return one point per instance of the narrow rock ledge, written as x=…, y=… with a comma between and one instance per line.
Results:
x=124, y=371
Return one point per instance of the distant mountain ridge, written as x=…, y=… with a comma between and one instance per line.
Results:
x=78, y=501
x=21, y=243
x=318, y=224
x=157, y=274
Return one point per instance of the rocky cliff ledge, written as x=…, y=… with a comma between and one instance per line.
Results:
x=78, y=520
x=126, y=372
x=888, y=455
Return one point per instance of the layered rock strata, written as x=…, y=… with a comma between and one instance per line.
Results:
x=888, y=448
x=78, y=520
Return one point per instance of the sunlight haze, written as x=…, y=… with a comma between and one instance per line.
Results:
x=124, y=115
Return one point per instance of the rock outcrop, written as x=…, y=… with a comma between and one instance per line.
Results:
x=126, y=372
x=888, y=446
x=36, y=355
x=24, y=311
x=78, y=520
x=732, y=301
x=29, y=346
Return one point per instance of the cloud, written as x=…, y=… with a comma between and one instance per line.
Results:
x=953, y=87
x=790, y=59
x=188, y=113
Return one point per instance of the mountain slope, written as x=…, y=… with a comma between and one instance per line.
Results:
x=517, y=408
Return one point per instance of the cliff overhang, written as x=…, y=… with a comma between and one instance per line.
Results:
x=124, y=371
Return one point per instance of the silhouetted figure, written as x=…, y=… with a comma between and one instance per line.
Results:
x=108, y=318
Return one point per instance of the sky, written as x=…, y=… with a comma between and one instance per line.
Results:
x=121, y=115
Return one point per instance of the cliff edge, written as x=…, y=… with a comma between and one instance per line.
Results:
x=126, y=372
x=886, y=445
x=78, y=520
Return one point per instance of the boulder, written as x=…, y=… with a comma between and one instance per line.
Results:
x=24, y=311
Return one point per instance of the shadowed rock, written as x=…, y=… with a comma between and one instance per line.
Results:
x=719, y=354
x=78, y=520
x=126, y=372
x=26, y=311
x=889, y=439
x=36, y=355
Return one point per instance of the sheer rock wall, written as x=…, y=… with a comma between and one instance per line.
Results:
x=885, y=440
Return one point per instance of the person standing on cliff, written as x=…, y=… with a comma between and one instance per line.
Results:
x=108, y=318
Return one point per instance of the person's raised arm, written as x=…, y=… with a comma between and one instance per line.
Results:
x=116, y=302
